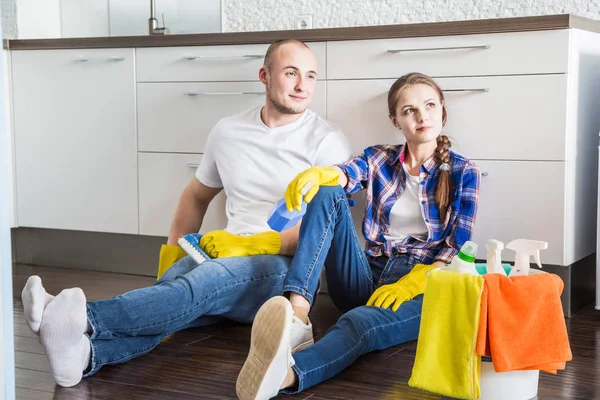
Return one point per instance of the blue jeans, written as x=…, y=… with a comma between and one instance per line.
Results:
x=187, y=295
x=328, y=237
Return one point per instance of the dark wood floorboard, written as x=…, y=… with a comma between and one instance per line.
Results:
x=203, y=363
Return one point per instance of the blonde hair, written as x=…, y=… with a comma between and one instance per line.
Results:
x=444, y=186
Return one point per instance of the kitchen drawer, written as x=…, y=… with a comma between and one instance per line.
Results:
x=177, y=117
x=162, y=178
x=208, y=63
x=505, y=117
x=522, y=200
x=463, y=55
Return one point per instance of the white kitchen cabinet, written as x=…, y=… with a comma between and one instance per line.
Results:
x=75, y=139
x=517, y=106
x=522, y=200
x=162, y=180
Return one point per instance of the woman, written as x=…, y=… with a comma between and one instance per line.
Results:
x=421, y=202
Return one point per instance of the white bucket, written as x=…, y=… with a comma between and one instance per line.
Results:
x=513, y=385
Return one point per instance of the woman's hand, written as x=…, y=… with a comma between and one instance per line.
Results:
x=301, y=185
x=407, y=287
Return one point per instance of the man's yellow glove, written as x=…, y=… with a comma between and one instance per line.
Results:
x=407, y=287
x=319, y=176
x=169, y=255
x=224, y=244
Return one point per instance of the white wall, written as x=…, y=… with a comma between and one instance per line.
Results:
x=38, y=19
x=130, y=17
x=81, y=18
x=8, y=8
x=259, y=15
x=35, y=18
x=27, y=19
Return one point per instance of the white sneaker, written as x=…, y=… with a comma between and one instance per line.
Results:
x=270, y=353
x=301, y=335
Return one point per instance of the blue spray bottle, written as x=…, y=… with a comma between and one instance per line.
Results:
x=281, y=219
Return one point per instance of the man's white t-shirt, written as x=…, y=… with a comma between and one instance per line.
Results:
x=254, y=163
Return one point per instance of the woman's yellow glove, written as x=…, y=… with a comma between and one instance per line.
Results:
x=407, y=287
x=224, y=244
x=169, y=255
x=319, y=176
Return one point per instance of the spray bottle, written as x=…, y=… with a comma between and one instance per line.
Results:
x=494, y=266
x=280, y=219
x=525, y=249
x=464, y=262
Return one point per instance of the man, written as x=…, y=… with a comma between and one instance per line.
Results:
x=251, y=156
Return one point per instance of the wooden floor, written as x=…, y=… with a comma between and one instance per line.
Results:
x=203, y=363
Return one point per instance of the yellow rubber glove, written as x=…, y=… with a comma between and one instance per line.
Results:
x=407, y=287
x=319, y=176
x=224, y=244
x=169, y=255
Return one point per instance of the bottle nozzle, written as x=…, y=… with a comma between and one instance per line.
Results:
x=525, y=249
x=493, y=244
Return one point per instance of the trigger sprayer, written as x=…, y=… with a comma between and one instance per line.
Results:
x=525, y=249
x=494, y=265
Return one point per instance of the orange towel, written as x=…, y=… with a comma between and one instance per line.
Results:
x=521, y=324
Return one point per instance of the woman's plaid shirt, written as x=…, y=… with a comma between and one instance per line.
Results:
x=379, y=171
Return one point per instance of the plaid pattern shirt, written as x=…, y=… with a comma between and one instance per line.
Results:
x=379, y=171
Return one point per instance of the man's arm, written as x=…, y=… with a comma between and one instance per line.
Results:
x=289, y=240
x=191, y=209
x=343, y=178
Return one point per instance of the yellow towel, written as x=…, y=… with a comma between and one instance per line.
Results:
x=446, y=362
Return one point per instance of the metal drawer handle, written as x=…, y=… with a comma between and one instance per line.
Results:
x=194, y=58
x=467, y=90
x=194, y=94
x=485, y=173
x=192, y=165
x=483, y=47
x=116, y=59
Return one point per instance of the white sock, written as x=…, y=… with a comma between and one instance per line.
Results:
x=62, y=333
x=35, y=299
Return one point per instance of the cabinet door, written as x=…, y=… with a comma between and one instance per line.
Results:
x=522, y=200
x=162, y=180
x=177, y=117
x=75, y=139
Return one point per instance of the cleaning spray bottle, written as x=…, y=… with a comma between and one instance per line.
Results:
x=464, y=261
x=280, y=219
x=494, y=248
x=525, y=249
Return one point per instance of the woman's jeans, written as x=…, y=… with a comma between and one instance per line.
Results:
x=187, y=295
x=328, y=238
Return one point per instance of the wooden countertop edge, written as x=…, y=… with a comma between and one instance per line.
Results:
x=482, y=26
